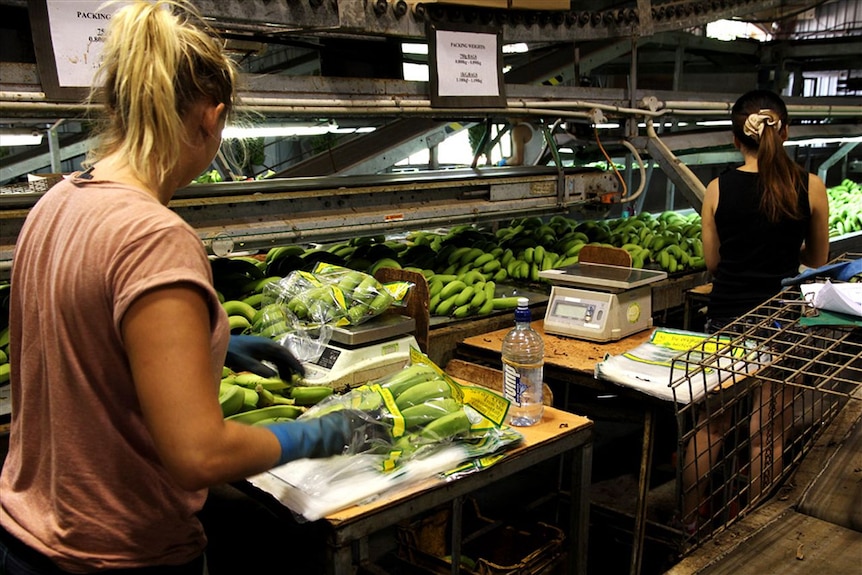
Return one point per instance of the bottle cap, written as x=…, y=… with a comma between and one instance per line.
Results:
x=523, y=302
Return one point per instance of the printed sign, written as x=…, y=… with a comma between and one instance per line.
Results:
x=68, y=37
x=466, y=67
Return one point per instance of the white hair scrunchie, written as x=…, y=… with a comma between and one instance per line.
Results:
x=755, y=123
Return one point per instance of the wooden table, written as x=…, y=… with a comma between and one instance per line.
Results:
x=567, y=359
x=560, y=435
x=572, y=362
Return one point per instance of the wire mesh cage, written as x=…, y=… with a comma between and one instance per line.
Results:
x=750, y=401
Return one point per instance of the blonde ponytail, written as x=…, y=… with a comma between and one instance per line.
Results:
x=158, y=60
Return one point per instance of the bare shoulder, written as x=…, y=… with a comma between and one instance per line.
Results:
x=816, y=191
x=710, y=195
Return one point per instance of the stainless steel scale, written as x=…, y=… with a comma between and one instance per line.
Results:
x=358, y=354
x=599, y=302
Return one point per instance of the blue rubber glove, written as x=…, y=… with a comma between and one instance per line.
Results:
x=346, y=431
x=246, y=353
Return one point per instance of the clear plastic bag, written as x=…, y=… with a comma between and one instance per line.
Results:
x=432, y=427
x=363, y=295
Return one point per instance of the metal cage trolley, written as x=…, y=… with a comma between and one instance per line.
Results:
x=751, y=399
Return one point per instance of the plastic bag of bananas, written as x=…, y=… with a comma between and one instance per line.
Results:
x=434, y=426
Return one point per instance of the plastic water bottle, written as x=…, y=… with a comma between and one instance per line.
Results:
x=523, y=369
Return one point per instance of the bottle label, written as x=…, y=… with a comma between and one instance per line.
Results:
x=517, y=382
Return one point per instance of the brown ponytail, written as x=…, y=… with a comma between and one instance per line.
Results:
x=159, y=59
x=760, y=124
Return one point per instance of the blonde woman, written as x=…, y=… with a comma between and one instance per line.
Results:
x=117, y=335
x=760, y=222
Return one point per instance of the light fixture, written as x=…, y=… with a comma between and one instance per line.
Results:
x=517, y=48
x=18, y=137
x=290, y=130
x=278, y=130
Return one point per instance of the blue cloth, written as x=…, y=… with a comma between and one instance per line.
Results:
x=841, y=271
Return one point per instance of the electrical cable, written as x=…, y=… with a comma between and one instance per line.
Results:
x=641, y=169
x=611, y=164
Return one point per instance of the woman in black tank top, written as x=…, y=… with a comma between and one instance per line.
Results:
x=760, y=222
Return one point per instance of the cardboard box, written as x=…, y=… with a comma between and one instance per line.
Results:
x=495, y=548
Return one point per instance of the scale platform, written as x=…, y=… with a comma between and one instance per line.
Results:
x=599, y=302
x=358, y=354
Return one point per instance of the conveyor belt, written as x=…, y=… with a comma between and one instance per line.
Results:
x=262, y=214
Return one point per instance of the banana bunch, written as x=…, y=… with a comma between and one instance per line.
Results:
x=246, y=394
x=429, y=407
x=365, y=297
x=465, y=295
x=845, y=208
x=238, y=277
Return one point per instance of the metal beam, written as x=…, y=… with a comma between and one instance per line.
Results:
x=294, y=18
x=10, y=171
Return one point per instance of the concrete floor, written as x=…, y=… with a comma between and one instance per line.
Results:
x=813, y=525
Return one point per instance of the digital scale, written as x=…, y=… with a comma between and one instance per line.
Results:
x=599, y=302
x=358, y=354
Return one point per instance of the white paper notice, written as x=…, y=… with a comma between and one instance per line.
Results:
x=467, y=64
x=842, y=297
x=77, y=33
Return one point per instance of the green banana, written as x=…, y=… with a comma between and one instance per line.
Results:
x=456, y=254
x=483, y=259
x=424, y=413
x=422, y=392
x=310, y=394
x=350, y=281
x=505, y=303
x=256, y=415
x=283, y=251
x=250, y=399
x=251, y=380
x=238, y=323
x=478, y=298
x=257, y=301
x=453, y=424
x=446, y=306
x=452, y=288
x=410, y=376
x=471, y=277
x=465, y=296
x=492, y=266
x=231, y=399
x=267, y=398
